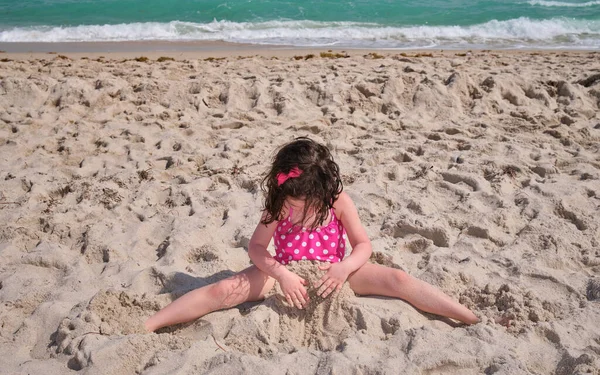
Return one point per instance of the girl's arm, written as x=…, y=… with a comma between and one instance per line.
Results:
x=337, y=273
x=291, y=284
x=257, y=250
x=357, y=235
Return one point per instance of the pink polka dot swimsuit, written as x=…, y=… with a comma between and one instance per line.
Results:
x=326, y=243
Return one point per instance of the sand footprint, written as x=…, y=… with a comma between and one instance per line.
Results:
x=455, y=178
x=563, y=212
x=438, y=235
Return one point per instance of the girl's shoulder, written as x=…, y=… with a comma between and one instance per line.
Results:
x=342, y=203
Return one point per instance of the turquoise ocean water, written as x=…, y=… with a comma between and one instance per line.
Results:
x=570, y=24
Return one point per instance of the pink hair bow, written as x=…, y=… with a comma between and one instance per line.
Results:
x=283, y=177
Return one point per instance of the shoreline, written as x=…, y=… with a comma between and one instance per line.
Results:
x=203, y=49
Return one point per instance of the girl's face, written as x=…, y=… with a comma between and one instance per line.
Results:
x=295, y=203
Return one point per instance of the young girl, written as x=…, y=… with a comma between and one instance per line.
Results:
x=309, y=217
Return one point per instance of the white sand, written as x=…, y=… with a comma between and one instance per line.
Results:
x=125, y=184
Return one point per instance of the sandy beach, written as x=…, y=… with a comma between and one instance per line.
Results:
x=130, y=178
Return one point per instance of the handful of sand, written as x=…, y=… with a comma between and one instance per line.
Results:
x=323, y=324
x=309, y=271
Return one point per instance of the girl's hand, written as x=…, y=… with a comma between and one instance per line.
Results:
x=293, y=289
x=334, y=278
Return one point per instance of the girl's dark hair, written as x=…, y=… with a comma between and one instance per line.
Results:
x=319, y=184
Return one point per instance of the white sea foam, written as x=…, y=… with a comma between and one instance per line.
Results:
x=562, y=3
x=552, y=33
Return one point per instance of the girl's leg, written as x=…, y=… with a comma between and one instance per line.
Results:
x=374, y=279
x=250, y=284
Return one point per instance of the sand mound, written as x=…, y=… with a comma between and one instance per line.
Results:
x=511, y=307
x=112, y=325
x=322, y=325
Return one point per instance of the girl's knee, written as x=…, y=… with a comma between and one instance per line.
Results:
x=217, y=290
x=222, y=292
x=251, y=285
x=398, y=277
